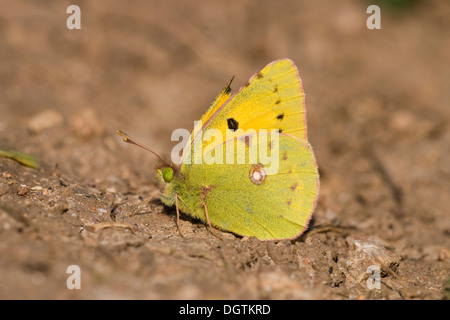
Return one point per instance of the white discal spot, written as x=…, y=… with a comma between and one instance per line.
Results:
x=257, y=174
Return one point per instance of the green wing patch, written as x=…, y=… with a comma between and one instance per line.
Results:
x=277, y=208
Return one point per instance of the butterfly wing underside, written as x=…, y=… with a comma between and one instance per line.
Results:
x=279, y=207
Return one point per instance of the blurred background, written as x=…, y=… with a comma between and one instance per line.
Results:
x=378, y=116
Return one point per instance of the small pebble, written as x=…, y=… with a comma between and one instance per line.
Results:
x=45, y=119
x=22, y=190
x=111, y=190
x=6, y=175
x=365, y=252
x=87, y=124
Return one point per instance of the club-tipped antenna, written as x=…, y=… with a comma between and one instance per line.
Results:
x=128, y=139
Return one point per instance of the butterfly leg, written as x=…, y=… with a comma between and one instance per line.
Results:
x=178, y=215
x=209, y=223
x=154, y=194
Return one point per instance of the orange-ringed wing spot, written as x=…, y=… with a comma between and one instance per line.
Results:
x=233, y=125
x=257, y=174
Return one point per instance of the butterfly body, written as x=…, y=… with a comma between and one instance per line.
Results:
x=190, y=202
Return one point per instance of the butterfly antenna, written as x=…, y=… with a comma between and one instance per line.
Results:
x=128, y=139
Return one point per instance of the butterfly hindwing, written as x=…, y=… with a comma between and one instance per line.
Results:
x=277, y=208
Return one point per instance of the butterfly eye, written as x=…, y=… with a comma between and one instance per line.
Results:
x=167, y=174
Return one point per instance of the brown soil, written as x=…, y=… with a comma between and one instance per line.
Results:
x=378, y=118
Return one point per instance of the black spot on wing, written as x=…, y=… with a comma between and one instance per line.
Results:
x=280, y=116
x=259, y=75
x=232, y=124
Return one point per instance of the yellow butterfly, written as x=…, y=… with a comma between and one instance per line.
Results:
x=241, y=196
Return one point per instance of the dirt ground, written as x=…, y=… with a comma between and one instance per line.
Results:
x=378, y=119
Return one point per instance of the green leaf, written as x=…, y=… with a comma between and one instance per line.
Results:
x=21, y=157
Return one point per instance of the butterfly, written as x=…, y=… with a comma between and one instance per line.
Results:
x=242, y=196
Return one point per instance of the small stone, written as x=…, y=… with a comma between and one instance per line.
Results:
x=45, y=119
x=6, y=175
x=111, y=190
x=432, y=252
x=365, y=254
x=87, y=124
x=444, y=255
x=22, y=190
x=64, y=207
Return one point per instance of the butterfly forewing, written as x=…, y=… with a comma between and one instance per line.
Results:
x=272, y=99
